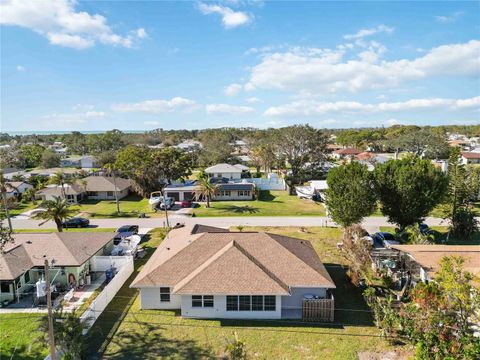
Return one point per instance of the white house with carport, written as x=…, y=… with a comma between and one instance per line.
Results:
x=208, y=272
x=226, y=191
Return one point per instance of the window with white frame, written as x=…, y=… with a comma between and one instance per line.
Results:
x=243, y=192
x=164, y=294
x=224, y=193
x=251, y=303
x=205, y=301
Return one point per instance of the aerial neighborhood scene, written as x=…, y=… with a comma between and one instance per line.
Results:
x=239, y=179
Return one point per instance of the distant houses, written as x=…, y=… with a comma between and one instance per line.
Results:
x=84, y=162
x=16, y=188
x=470, y=157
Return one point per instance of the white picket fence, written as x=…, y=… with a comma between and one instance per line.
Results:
x=102, y=263
x=108, y=293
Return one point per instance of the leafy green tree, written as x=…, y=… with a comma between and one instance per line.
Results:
x=408, y=189
x=29, y=194
x=172, y=164
x=303, y=148
x=56, y=210
x=216, y=148
x=350, y=196
x=5, y=236
x=5, y=204
x=50, y=159
x=62, y=180
x=32, y=154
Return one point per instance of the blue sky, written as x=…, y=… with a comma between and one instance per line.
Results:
x=69, y=65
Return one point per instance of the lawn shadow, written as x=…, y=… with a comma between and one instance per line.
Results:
x=148, y=339
x=239, y=209
x=266, y=195
x=275, y=323
x=350, y=306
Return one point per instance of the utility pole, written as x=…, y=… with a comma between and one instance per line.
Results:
x=51, y=338
x=165, y=208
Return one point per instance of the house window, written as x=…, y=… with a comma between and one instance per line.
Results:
x=257, y=303
x=219, y=175
x=232, y=303
x=26, y=277
x=244, y=303
x=164, y=294
x=109, y=193
x=243, y=192
x=251, y=303
x=224, y=193
x=92, y=193
x=269, y=303
x=5, y=287
x=202, y=300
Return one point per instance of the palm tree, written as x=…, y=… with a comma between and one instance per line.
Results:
x=29, y=194
x=207, y=190
x=3, y=191
x=57, y=210
x=61, y=180
x=111, y=171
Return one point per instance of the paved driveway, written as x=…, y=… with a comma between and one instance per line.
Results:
x=370, y=222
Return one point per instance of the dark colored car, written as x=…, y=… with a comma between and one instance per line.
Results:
x=189, y=204
x=76, y=222
x=384, y=239
x=424, y=229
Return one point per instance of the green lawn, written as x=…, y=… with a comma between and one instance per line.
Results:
x=124, y=331
x=130, y=206
x=270, y=203
x=440, y=234
x=19, y=338
x=21, y=207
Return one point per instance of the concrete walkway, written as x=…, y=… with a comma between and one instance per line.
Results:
x=370, y=222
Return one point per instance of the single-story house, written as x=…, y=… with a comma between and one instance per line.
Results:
x=346, y=153
x=215, y=273
x=103, y=187
x=228, y=171
x=471, y=157
x=84, y=162
x=22, y=263
x=52, y=171
x=226, y=191
x=189, y=145
x=423, y=261
x=74, y=193
x=95, y=187
x=16, y=188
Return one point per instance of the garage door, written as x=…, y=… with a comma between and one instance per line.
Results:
x=174, y=195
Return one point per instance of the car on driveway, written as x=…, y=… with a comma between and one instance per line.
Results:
x=384, y=240
x=76, y=222
x=125, y=231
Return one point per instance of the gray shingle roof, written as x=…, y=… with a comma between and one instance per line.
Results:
x=223, y=168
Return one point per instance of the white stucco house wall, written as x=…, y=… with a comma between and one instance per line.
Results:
x=224, y=171
x=208, y=272
x=16, y=188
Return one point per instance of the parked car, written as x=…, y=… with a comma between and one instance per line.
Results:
x=168, y=203
x=384, y=239
x=424, y=229
x=76, y=222
x=189, y=204
x=123, y=232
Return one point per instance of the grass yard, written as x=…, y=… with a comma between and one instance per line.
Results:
x=440, y=235
x=20, y=207
x=269, y=203
x=124, y=331
x=130, y=206
x=19, y=338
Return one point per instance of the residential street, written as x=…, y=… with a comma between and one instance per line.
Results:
x=370, y=223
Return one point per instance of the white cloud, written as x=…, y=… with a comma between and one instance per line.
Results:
x=232, y=89
x=95, y=114
x=21, y=68
x=309, y=108
x=156, y=106
x=449, y=18
x=62, y=24
x=253, y=100
x=225, y=109
x=230, y=18
x=329, y=71
x=369, y=32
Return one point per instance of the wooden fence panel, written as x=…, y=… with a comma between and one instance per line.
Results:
x=318, y=310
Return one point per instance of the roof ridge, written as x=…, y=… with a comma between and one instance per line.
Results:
x=203, y=266
x=261, y=266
